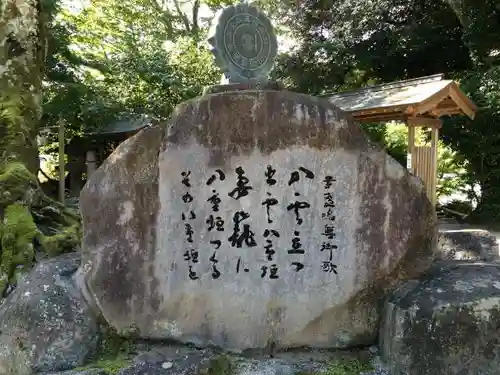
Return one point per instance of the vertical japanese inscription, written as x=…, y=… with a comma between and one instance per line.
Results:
x=328, y=217
x=215, y=222
x=191, y=256
x=296, y=206
x=271, y=269
x=242, y=235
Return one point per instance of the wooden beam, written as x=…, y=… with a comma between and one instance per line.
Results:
x=380, y=110
x=424, y=122
x=410, y=110
x=378, y=116
x=448, y=112
x=464, y=103
x=447, y=103
x=433, y=101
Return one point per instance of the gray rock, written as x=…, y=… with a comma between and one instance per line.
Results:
x=154, y=354
x=80, y=372
x=171, y=359
x=377, y=371
x=146, y=369
x=268, y=367
x=45, y=323
x=182, y=366
x=152, y=357
x=205, y=362
x=330, y=265
x=446, y=323
x=467, y=244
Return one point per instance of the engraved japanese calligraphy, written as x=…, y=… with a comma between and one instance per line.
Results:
x=328, y=246
x=241, y=233
x=191, y=255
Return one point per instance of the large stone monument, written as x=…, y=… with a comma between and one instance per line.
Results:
x=253, y=218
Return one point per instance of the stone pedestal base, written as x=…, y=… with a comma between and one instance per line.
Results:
x=215, y=89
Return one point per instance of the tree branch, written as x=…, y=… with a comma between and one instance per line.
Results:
x=182, y=16
x=167, y=18
x=196, y=8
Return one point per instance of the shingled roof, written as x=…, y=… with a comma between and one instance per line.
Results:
x=430, y=96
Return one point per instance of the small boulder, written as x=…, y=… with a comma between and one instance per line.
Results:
x=467, y=244
x=45, y=323
x=445, y=323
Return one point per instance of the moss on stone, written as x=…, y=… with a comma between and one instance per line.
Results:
x=111, y=365
x=343, y=367
x=20, y=198
x=22, y=205
x=220, y=365
x=17, y=232
x=62, y=242
x=351, y=367
x=112, y=343
x=16, y=184
x=114, y=352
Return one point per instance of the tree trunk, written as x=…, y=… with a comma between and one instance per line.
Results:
x=458, y=8
x=29, y=220
x=22, y=50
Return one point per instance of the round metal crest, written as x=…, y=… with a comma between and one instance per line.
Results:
x=245, y=44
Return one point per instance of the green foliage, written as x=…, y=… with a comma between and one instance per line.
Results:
x=478, y=140
x=393, y=137
x=352, y=367
x=481, y=31
x=116, y=59
x=122, y=57
x=452, y=177
x=366, y=41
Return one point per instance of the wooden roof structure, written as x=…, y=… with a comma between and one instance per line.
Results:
x=129, y=124
x=427, y=97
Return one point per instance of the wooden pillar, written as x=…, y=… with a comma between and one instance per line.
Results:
x=434, y=162
x=91, y=162
x=423, y=160
x=62, y=174
x=411, y=147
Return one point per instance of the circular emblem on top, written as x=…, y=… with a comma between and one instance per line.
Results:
x=245, y=44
